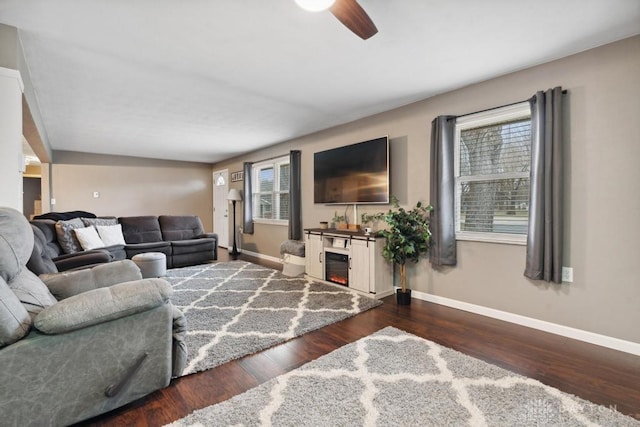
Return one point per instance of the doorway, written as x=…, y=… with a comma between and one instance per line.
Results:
x=31, y=197
x=221, y=207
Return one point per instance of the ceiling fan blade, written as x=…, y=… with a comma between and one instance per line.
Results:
x=353, y=16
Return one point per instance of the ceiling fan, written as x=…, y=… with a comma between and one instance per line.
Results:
x=349, y=12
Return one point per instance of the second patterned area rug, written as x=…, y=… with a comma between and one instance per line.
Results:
x=393, y=378
x=238, y=308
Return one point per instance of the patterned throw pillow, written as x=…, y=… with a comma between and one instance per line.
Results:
x=66, y=237
x=99, y=221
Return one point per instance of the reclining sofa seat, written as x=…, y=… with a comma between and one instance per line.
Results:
x=180, y=237
x=48, y=240
x=41, y=261
x=83, y=344
x=142, y=234
x=189, y=243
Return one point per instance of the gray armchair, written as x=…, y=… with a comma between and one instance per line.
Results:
x=83, y=344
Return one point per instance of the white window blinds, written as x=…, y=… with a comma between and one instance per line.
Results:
x=493, y=156
x=271, y=190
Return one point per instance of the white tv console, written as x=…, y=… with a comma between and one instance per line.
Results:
x=352, y=258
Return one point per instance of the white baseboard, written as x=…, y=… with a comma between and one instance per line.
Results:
x=262, y=256
x=554, y=328
x=542, y=325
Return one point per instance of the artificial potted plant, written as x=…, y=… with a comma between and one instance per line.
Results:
x=369, y=221
x=340, y=221
x=407, y=239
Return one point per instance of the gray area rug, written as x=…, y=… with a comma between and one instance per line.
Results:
x=394, y=378
x=238, y=308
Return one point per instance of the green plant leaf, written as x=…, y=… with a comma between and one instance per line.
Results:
x=408, y=235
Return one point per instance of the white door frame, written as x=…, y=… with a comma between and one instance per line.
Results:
x=221, y=207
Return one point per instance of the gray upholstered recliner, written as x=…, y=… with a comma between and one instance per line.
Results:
x=86, y=342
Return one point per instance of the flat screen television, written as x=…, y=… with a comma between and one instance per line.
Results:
x=354, y=174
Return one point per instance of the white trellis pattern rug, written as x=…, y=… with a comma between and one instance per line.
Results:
x=393, y=378
x=238, y=308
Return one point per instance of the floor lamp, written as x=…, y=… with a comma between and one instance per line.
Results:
x=234, y=196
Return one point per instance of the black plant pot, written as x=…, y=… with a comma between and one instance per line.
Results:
x=403, y=298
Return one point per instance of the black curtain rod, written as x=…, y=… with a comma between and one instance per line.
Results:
x=564, y=92
x=272, y=158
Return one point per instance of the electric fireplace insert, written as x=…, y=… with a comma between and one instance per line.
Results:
x=337, y=268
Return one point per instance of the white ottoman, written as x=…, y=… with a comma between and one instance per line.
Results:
x=151, y=264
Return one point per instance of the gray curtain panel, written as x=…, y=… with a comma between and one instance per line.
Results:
x=544, y=238
x=247, y=206
x=295, y=196
x=442, y=222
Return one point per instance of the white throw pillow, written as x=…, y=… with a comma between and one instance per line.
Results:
x=111, y=234
x=88, y=238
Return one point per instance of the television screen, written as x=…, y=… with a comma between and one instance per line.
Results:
x=357, y=173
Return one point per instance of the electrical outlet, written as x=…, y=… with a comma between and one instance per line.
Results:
x=53, y=201
x=96, y=194
x=567, y=274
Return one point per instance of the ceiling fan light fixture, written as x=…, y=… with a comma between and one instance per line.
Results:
x=315, y=5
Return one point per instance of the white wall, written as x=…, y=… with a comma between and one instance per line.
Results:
x=10, y=138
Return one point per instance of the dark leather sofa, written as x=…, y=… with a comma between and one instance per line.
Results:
x=49, y=257
x=180, y=237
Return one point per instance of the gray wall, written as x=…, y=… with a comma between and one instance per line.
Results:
x=602, y=187
x=131, y=186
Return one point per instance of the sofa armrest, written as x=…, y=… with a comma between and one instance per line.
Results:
x=180, y=353
x=103, y=305
x=69, y=283
x=82, y=259
x=213, y=236
x=208, y=236
x=61, y=379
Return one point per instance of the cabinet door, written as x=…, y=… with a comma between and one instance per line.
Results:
x=314, y=256
x=359, y=263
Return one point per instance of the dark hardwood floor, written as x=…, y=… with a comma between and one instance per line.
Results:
x=598, y=374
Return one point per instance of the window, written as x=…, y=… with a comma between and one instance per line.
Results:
x=271, y=191
x=492, y=160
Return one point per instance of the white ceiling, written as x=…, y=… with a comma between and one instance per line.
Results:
x=207, y=80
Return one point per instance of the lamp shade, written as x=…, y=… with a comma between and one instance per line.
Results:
x=315, y=5
x=234, y=195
